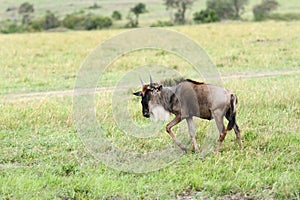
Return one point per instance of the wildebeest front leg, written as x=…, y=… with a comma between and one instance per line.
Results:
x=175, y=121
x=192, y=133
x=222, y=131
x=238, y=135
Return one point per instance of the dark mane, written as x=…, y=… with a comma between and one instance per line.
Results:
x=195, y=82
x=176, y=81
x=172, y=81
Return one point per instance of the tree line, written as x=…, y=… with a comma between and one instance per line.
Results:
x=216, y=10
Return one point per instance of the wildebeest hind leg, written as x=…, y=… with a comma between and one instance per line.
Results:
x=175, y=121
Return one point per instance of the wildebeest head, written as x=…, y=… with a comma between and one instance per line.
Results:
x=148, y=93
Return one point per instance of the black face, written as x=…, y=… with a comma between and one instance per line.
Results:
x=148, y=91
x=144, y=102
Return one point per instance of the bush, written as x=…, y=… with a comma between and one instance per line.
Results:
x=94, y=6
x=262, y=10
x=37, y=24
x=206, y=16
x=116, y=15
x=74, y=21
x=86, y=22
x=26, y=8
x=10, y=27
x=96, y=22
x=227, y=9
x=49, y=21
x=284, y=16
x=162, y=24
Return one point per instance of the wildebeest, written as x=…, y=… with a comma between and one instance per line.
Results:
x=186, y=99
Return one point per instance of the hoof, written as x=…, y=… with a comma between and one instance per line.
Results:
x=184, y=149
x=195, y=150
x=216, y=151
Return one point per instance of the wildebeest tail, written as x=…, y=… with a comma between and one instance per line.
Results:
x=231, y=114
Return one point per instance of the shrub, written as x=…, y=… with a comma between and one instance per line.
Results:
x=49, y=21
x=37, y=24
x=162, y=24
x=86, y=22
x=262, y=10
x=74, y=21
x=96, y=22
x=10, y=27
x=227, y=9
x=284, y=16
x=206, y=16
x=94, y=6
x=116, y=15
x=26, y=8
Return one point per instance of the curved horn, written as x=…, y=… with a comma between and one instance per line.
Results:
x=142, y=82
x=151, y=81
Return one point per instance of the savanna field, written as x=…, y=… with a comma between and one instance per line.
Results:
x=43, y=157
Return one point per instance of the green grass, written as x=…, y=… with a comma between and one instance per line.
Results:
x=43, y=157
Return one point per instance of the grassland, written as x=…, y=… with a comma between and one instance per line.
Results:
x=51, y=62
x=42, y=156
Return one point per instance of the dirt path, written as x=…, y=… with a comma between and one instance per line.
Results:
x=61, y=93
